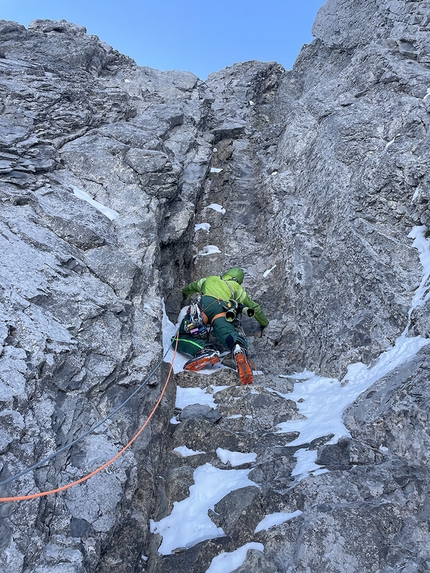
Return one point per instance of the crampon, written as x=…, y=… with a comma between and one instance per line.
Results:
x=204, y=360
x=244, y=369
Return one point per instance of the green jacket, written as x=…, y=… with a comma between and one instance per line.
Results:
x=224, y=290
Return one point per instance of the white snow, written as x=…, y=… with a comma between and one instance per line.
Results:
x=186, y=452
x=228, y=562
x=188, y=396
x=202, y=227
x=423, y=246
x=110, y=213
x=215, y=170
x=216, y=389
x=322, y=400
x=208, y=250
x=276, y=519
x=235, y=458
x=169, y=331
x=416, y=194
x=216, y=207
x=390, y=143
x=189, y=522
x=267, y=273
x=306, y=464
x=427, y=94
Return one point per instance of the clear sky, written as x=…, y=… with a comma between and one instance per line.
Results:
x=200, y=36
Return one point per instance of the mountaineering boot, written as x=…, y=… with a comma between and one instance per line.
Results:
x=243, y=367
x=204, y=358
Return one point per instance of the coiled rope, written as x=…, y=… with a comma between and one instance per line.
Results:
x=108, y=463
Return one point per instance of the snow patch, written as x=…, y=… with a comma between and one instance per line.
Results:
x=189, y=522
x=216, y=389
x=267, y=273
x=208, y=250
x=422, y=244
x=186, y=452
x=215, y=170
x=276, y=519
x=228, y=562
x=169, y=332
x=109, y=213
x=306, y=464
x=324, y=416
x=235, y=458
x=216, y=207
x=202, y=227
x=188, y=396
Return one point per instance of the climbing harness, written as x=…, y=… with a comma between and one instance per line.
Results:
x=196, y=322
x=109, y=462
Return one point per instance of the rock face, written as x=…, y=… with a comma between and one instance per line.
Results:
x=118, y=185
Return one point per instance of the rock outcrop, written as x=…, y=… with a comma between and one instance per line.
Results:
x=118, y=184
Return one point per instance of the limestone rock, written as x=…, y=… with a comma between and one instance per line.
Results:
x=118, y=185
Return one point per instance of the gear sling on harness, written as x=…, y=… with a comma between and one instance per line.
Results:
x=196, y=320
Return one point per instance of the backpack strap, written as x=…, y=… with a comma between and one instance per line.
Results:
x=219, y=315
x=229, y=286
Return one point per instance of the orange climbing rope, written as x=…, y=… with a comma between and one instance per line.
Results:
x=108, y=463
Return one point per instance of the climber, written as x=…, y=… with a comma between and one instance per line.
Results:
x=218, y=300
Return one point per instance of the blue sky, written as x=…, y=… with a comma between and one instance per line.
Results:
x=194, y=35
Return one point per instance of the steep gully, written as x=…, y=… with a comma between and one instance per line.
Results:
x=324, y=215
x=281, y=461
x=278, y=433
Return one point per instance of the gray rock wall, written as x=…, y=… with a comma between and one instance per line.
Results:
x=317, y=176
x=81, y=297
x=349, y=181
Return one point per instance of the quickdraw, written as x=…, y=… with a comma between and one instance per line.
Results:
x=196, y=319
